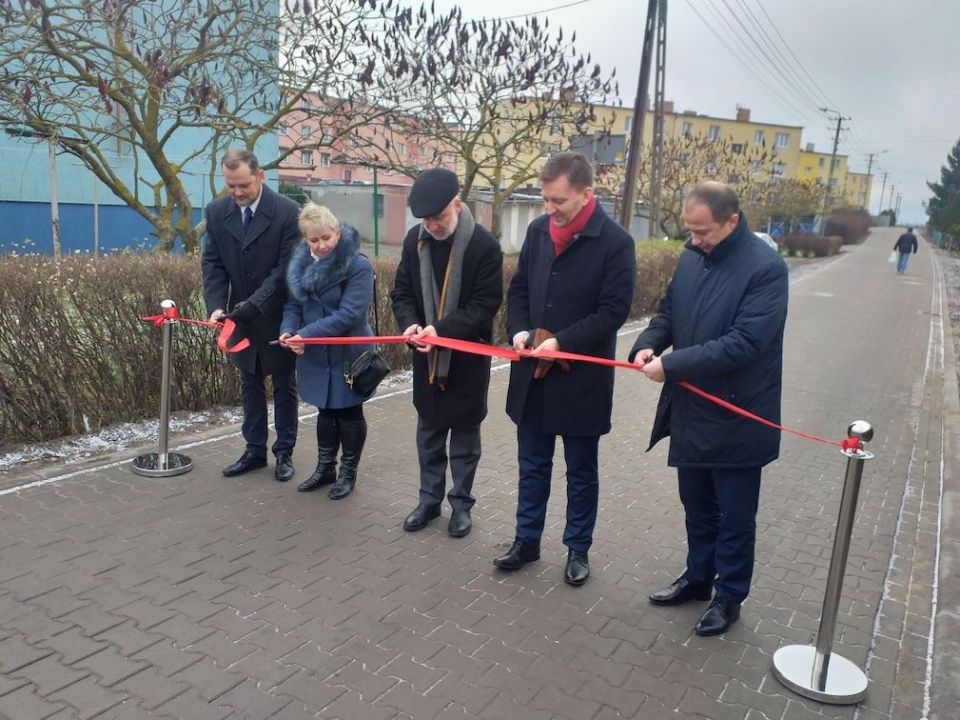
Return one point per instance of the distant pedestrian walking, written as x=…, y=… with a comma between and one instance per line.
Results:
x=905, y=244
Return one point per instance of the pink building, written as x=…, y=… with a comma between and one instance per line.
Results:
x=342, y=144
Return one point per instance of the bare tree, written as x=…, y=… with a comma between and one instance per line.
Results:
x=688, y=160
x=788, y=201
x=115, y=83
x=499, y=94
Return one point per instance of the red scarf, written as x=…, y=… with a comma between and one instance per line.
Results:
x=563, y=236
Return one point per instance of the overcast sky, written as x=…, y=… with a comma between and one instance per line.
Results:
x=891, y=67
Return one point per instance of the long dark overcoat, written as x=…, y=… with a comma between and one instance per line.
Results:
x=724, y=315
x=251, y=266
x=329, y=299
x=464, y=401
x=583, y=297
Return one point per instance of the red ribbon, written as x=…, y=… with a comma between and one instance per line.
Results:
x=505, y=353
x=227, y=326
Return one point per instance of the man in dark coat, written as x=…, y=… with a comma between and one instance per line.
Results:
x=449, y=283
x=251, y=233
x=723, y=314
x=905, y=244
x=571, y=291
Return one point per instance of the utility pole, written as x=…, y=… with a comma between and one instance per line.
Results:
x=639, y=107
x=833, y=161
x=871, y=156
x=897, y=211
x=882, y=188
x=890, y=201
x=656, y=164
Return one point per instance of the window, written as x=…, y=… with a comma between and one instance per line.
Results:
x=306, y=157
x=449, y=158
x=714, y=133
x=833, y=183
x=325, y=138
x=737, y=147
x=628, y=124
x=755, y=167
x=759, y=138
x=835, y=164
x=347, y=176
x=353, y=141
x=863, y=182
x=711, y=167
x=284, y=128
x=306, y=105
x=778, y=169
x=306, y=132
x=688, y=129
x=782, y=140
x=401, y=149
x=324, y=159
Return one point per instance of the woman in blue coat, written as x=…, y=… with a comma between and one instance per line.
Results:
x=330, y=286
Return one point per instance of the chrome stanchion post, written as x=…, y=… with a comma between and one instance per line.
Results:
x=815, y=672
x=163, y=463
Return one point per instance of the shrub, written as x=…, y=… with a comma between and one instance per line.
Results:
x=75, y=355
x=851, y=225
x=803, y=245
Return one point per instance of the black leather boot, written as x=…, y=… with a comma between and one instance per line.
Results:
x=328, y=444
x=353, y=434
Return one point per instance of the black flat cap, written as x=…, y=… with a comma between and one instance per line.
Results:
x=432, y=191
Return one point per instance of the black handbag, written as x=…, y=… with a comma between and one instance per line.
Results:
x=366, y=372
x=369, y=369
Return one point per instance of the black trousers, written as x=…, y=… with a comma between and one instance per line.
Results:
x=253, y=390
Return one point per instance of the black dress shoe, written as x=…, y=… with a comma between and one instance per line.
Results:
x=284, y=469
x=681, y=591
x=578, y=568
x=519, y=554
x=460, y=524
x=718, y=618
x=247, y=462
x=421, y=515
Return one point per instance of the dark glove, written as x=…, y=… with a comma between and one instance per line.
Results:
x=244, y=311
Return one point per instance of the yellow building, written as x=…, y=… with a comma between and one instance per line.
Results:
x=779, y=146
x=857, y=190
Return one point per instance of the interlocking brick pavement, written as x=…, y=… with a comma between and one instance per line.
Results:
x=198, y=597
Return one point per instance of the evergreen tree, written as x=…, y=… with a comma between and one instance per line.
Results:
x=944, y=206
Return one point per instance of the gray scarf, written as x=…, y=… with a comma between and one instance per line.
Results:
x=438, y=301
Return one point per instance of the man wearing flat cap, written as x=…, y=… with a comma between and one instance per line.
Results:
x=449, y=283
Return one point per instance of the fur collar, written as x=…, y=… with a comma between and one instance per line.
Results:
x=306, y=277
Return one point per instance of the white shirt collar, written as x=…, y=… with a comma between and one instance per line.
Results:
x=254, y=205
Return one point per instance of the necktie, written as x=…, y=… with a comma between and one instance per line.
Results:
x=247, y=217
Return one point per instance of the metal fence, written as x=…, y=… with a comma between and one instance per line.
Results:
x=944, y=241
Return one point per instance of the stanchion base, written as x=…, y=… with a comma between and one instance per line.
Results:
x=151, y=465
x=793, y=666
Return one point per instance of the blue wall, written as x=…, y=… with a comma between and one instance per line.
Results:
x=25, y=186
x=119, y=228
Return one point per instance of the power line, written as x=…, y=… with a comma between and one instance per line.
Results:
x=535, y=12
x=794, y=55
x=746, y=64
x=777, y=61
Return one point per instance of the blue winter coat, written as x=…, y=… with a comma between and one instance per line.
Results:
x=329, y=299
x=583, y=297
x=724, y=315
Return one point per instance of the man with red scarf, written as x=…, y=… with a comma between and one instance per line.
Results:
x=571, y=291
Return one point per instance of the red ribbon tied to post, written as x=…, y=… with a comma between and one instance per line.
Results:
x=226, y=326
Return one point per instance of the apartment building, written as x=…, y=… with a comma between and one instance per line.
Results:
x=336, y=142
